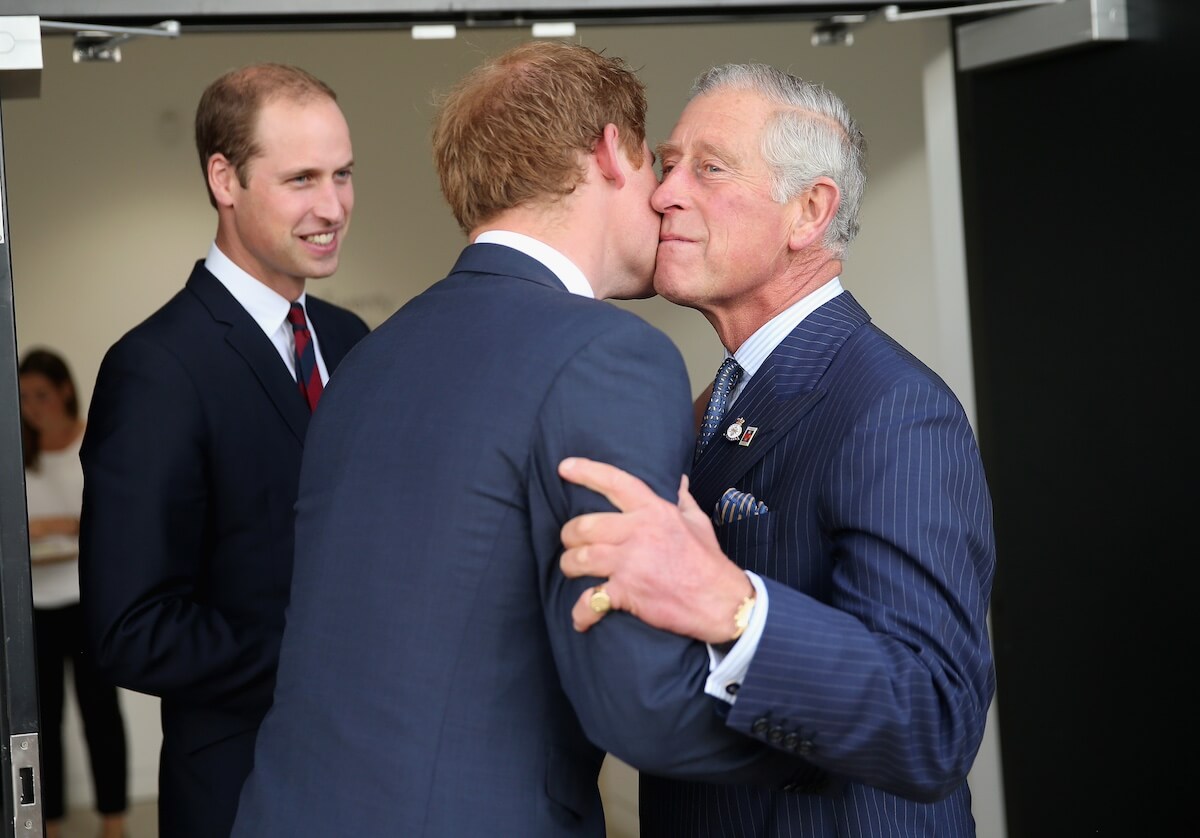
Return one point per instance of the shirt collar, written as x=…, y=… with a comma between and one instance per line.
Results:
x=562, y=267
x=751, y=354
x=268, y=308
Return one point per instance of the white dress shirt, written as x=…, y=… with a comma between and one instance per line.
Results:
x=268, y=308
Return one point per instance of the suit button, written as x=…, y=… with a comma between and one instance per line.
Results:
x=806, y=747
x=791, y=741
x=775, y=736
x=760, y=727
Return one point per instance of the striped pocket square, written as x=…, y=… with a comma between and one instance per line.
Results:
x=735, y=505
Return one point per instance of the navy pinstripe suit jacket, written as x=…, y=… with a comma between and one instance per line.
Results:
x=878, y=552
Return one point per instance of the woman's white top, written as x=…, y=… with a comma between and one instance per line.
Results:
x=55, y=489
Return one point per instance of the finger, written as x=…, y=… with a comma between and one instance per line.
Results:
x=622, y=489
x=699, y=523
x=590, y=560
x=597, y=528
x=574, y=562
x=583, y=616
x=582, y=529
x=687, y=504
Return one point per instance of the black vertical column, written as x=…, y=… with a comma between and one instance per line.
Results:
x=1080, y=195
x=18, y=679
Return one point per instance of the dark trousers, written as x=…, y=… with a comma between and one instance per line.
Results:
x=59, y=638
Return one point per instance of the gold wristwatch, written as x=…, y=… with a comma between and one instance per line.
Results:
x=741, y=617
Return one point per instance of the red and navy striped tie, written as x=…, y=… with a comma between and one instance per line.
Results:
x=308, y=377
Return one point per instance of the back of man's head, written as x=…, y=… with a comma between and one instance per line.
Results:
x=227, y=114
x=512, y=131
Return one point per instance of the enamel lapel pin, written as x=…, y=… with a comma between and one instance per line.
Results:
x=739, y=433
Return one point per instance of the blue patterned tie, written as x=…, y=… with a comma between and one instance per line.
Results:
x=727, y=378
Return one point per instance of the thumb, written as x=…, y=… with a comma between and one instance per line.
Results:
x=697, y=520
x=688, y=507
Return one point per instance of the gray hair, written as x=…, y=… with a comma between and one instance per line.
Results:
x=812, y=136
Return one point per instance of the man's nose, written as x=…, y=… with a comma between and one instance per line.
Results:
x=330, y=203
x=669, y=193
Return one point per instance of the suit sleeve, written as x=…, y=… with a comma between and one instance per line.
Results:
x=888, y=681
x=638, y=692
x=143, y=538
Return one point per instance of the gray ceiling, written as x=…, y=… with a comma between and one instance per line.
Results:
x=232, y=13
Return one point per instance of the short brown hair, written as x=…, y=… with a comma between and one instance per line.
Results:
x=511, y=131
x=229, y=107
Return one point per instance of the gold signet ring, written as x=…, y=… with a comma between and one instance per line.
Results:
x=600, y=601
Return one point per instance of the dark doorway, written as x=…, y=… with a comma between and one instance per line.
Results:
x=1079, y=196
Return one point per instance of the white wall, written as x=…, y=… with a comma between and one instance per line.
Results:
x=107, y=209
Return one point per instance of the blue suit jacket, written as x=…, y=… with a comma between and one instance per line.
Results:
x=191, y=461
x=430, y=681
x=878, y=552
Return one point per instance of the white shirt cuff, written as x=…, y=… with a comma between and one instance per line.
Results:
x=727, y=669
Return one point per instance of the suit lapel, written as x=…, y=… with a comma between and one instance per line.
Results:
x=255, y=348
x=335, y=343
x=785, y=388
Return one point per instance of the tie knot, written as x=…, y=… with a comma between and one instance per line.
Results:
x=295, y=316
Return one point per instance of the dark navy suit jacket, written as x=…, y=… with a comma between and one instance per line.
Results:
x=430, y=681
x=191, y=461
x=878, y=552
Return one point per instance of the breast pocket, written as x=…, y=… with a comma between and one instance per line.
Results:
x=747, y=542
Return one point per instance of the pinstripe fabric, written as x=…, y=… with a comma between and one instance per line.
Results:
x=874, y=663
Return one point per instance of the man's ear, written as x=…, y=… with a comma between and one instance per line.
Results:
x=610, y=157
x=222, y=179
x=815, y=208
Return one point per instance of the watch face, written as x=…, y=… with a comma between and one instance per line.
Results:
x=734, y=431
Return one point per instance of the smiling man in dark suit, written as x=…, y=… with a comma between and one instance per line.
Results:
x=843, y=479
x=192, y=453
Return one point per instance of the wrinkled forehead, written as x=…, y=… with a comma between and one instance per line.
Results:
x=727, y=123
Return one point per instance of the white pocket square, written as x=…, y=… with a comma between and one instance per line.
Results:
x=735, y=505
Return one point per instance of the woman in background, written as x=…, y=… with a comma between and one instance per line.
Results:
x=51, y=431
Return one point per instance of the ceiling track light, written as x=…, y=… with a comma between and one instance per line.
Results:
x=95, y=42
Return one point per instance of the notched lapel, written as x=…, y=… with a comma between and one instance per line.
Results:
x=259, y=353
x=725, y=462
x=784, y=389
x=256, y=349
